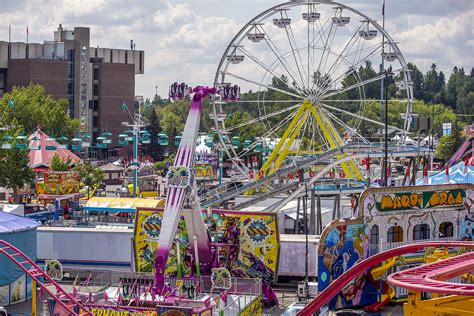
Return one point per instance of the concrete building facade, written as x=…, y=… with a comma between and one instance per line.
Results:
x=94, y=80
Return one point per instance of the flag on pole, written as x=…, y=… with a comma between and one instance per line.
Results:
x=11, y=104
x=124, y=106
x=87, y=281
x=408, y=175
x=466, y=165
x=224, y=297
x=389, y=175
x=147, y=103
x=106, y=296
x=383, y=8
x=425, y=173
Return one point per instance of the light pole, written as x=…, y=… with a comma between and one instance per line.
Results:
x=138, y=123
x=385, y=158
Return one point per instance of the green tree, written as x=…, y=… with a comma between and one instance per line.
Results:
x=33, y=108
x=60, y=164
x=449, y=144
x=153, y=127
x=14, y=170
x=433, y=84
x=91, y=176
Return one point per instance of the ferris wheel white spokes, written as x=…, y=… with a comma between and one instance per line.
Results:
x=305, y=71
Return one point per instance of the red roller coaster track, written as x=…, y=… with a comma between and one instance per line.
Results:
x=430, y=277
x=48, y=284
x=366, y=264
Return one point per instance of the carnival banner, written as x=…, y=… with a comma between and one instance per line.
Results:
x=413, y=200
x=59, y=183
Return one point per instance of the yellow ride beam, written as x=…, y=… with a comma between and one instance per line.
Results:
x=285, y=136
x=445, y=305
x=283, y=148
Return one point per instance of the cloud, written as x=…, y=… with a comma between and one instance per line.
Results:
x=185, y=39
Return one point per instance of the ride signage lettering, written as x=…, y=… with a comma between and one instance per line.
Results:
x=414, y=200
x=112, y=312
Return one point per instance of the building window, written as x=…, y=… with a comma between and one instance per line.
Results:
x=374, y=239
x=96, y=73
x=126, y=57
x=395, y=234
x=95, y=105
x=140, y=61
x=71, y=55
x=70, y=70
x=95, y=121
x=96, y=89
x=421, y=232
x=446, y=229
x=111, y=56
x=71, y=105
x=70, y=87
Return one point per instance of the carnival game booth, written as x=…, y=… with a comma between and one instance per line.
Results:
x=61, y=190
x=15, y=286
x=107, y=209
x=388, y=218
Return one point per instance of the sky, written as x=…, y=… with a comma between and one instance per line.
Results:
x=184, y=40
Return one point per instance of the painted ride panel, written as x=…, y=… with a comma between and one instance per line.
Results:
x=388, y=218
x=246, y=243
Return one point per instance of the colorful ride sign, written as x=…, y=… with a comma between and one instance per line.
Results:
x=249, y=243
x=425, y=200
x=59, y=183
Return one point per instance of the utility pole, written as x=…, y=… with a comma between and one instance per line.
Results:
x=138, y=123
x=382, y=81
x=385, y=158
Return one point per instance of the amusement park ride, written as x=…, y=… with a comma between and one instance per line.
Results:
x=307, y=101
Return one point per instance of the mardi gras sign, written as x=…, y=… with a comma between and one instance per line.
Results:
x=426, y=200
x=58, y=183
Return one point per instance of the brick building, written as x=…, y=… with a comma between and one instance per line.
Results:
x=94, y=80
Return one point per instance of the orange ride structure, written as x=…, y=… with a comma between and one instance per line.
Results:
x=425, y=278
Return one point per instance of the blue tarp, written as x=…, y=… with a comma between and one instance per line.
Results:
x=12, y=223
x=15, y=287
x=457, y=174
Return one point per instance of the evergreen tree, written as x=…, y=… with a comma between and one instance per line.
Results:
x=417, y=78
x=153, y=149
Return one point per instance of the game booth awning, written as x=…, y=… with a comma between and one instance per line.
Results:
x=107, y=204
x=42, y=150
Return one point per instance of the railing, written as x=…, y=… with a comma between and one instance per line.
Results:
x=245, y=297
x=391, y=245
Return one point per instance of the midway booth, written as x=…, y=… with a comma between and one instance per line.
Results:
x=107, y=209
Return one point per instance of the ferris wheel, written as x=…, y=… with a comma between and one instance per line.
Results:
x=309, y=70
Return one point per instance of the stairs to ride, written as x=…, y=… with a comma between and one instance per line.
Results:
x=42, y=279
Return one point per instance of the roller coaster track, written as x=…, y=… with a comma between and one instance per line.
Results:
x=430, y=277
x=220, y=195
x=43, y=280
x=335, y=287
